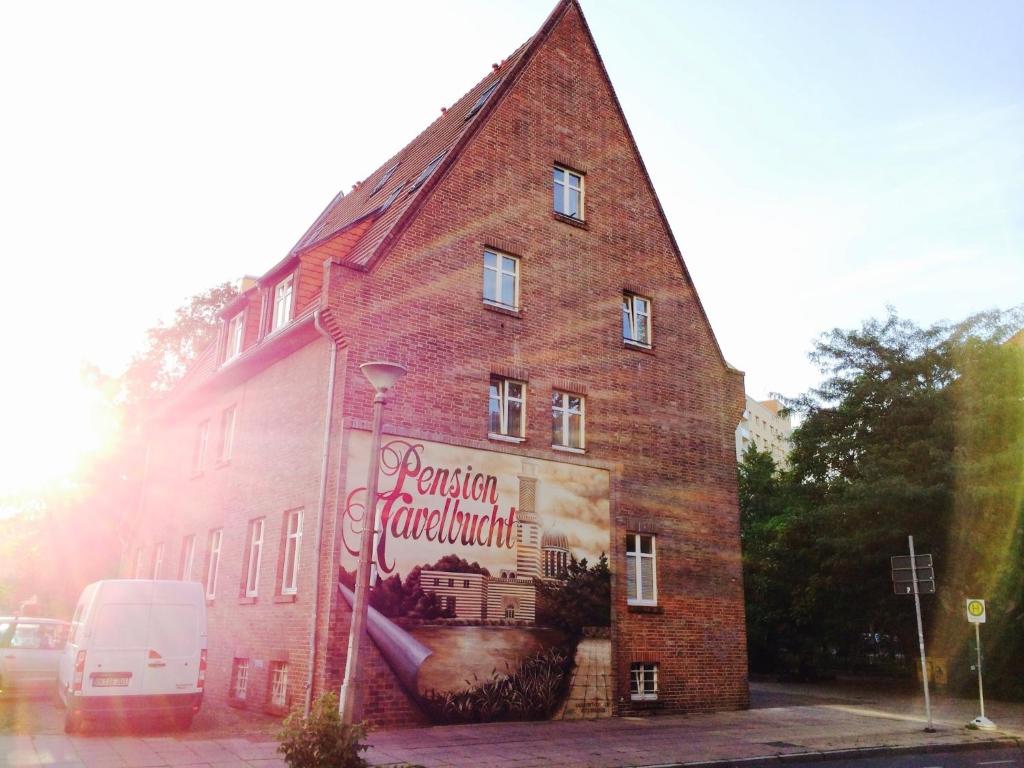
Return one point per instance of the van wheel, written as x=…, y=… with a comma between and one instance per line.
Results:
x=72, y=720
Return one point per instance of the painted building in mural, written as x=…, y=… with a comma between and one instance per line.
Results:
x=557, y=504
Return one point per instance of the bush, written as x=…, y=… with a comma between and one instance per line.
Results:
x=322, y=740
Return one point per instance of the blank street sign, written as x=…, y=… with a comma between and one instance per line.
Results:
x=903, y=561
x=907, y=575
x=923, y=588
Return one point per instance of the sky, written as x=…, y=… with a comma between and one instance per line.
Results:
x=817, y=161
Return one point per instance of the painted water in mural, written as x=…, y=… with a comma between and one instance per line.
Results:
x=491, y=594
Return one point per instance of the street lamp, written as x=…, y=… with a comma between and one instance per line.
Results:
x=382, y=376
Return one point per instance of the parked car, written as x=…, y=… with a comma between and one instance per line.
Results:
x=137, y=647
x=30, y=651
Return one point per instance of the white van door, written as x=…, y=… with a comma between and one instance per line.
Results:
x=117, y=651
x=172, y=663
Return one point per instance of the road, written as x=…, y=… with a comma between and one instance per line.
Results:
x=976, y=757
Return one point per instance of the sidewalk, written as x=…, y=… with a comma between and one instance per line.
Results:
x=788, y=720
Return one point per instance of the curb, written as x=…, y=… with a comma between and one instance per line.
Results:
x=852, y=753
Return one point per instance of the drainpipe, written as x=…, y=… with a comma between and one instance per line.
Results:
x=321, y=513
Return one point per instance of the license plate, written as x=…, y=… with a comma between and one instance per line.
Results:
x=111, y=681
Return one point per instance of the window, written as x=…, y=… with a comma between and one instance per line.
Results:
x=465, y=583
x=506, y=408
x=451, y=582
x=426, y=173
x=568, y=190
x=278, y=685
x=213, y=565
x=139, y=554
x=567, y=429
x=227, y=434
x=282, y=311
x=643, y=681
x=391, y=198
x=240, y=679
x=292, y=547
x=384, y=179
x=253, y=557
x=188, y=554
x=483, y=99
x=510, y=611
x=158, y=559
x=449, y=605
x=636, y=319
x=641, y=582
x=236, y=331
x=199, y=449
x=501, y=280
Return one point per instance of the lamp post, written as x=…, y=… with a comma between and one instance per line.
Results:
x=382, y=376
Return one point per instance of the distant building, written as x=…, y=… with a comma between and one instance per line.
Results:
x=764, y=426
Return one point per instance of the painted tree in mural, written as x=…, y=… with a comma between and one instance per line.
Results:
x=583, y=599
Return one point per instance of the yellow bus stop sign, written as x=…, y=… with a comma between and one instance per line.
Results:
x=975, y=611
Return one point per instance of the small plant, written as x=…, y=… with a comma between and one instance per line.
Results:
x=322, y=740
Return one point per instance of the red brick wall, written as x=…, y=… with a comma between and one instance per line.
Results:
x=275, y=467
x=666, y=418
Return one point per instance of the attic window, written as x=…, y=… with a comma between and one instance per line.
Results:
x=483, y=99
x=426, y=172
x=391, y=198
x=384, y=179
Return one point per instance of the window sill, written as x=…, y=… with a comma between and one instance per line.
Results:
x=247, y=600
x=640, y=703
x=223, y=463
x=580, y=223
x=290, y=598
x=568, y=449
x=237, y=703
x=209, y=602
x=637, y=608
x=646, y=348
x=503, y=309
x=505, y=438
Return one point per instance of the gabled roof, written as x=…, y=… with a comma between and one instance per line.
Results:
x=441, y=141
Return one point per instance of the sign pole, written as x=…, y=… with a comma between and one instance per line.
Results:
x=920, y=639
x=976, y=615
x=981, y=691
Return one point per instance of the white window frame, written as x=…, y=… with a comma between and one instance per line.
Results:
x=158, y=559
x=567, y=186
x=631, y=316
x=282, y=303
x=216, y=539
x=240, y=680
x=634, y=560
x=493, y=278
x=252, y=571
x=504, y=399
x=201, y=444
x=638, y=672
x=279, y=685
x=188, y=556
x=227, y=434
x=565, y=413
x=235, y=336
x=292, y=550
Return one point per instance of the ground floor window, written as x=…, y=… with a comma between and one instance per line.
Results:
x=279, y=686
x=240, y=679
x=643, y=682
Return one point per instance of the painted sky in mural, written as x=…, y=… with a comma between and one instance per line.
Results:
x=438, y=499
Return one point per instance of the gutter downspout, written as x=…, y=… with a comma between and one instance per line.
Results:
x=321, y=513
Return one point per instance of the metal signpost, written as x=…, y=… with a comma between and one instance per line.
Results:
x=976, y=616
x=916, y=575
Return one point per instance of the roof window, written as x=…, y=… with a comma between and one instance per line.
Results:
x=426, y=172
x=391, y=198
x=483, y=99
x=384, y=179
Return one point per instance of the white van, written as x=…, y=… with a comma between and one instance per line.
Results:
x=136, y=647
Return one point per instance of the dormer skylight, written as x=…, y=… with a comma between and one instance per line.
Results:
x=384, y=179
x=483, y=99
x=391, y=198
x=426, y=172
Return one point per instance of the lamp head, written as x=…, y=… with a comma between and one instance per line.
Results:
x=382, y=375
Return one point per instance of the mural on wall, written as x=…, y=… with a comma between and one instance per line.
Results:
x=491, y=593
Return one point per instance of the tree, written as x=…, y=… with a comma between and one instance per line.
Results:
x=583, y=599
x=877, y=457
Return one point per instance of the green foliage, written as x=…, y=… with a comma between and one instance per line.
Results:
x=532, y=692
x=583, y=599
x=885, y=449
x=322, y=740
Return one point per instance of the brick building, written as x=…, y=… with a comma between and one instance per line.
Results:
x=514, y=256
